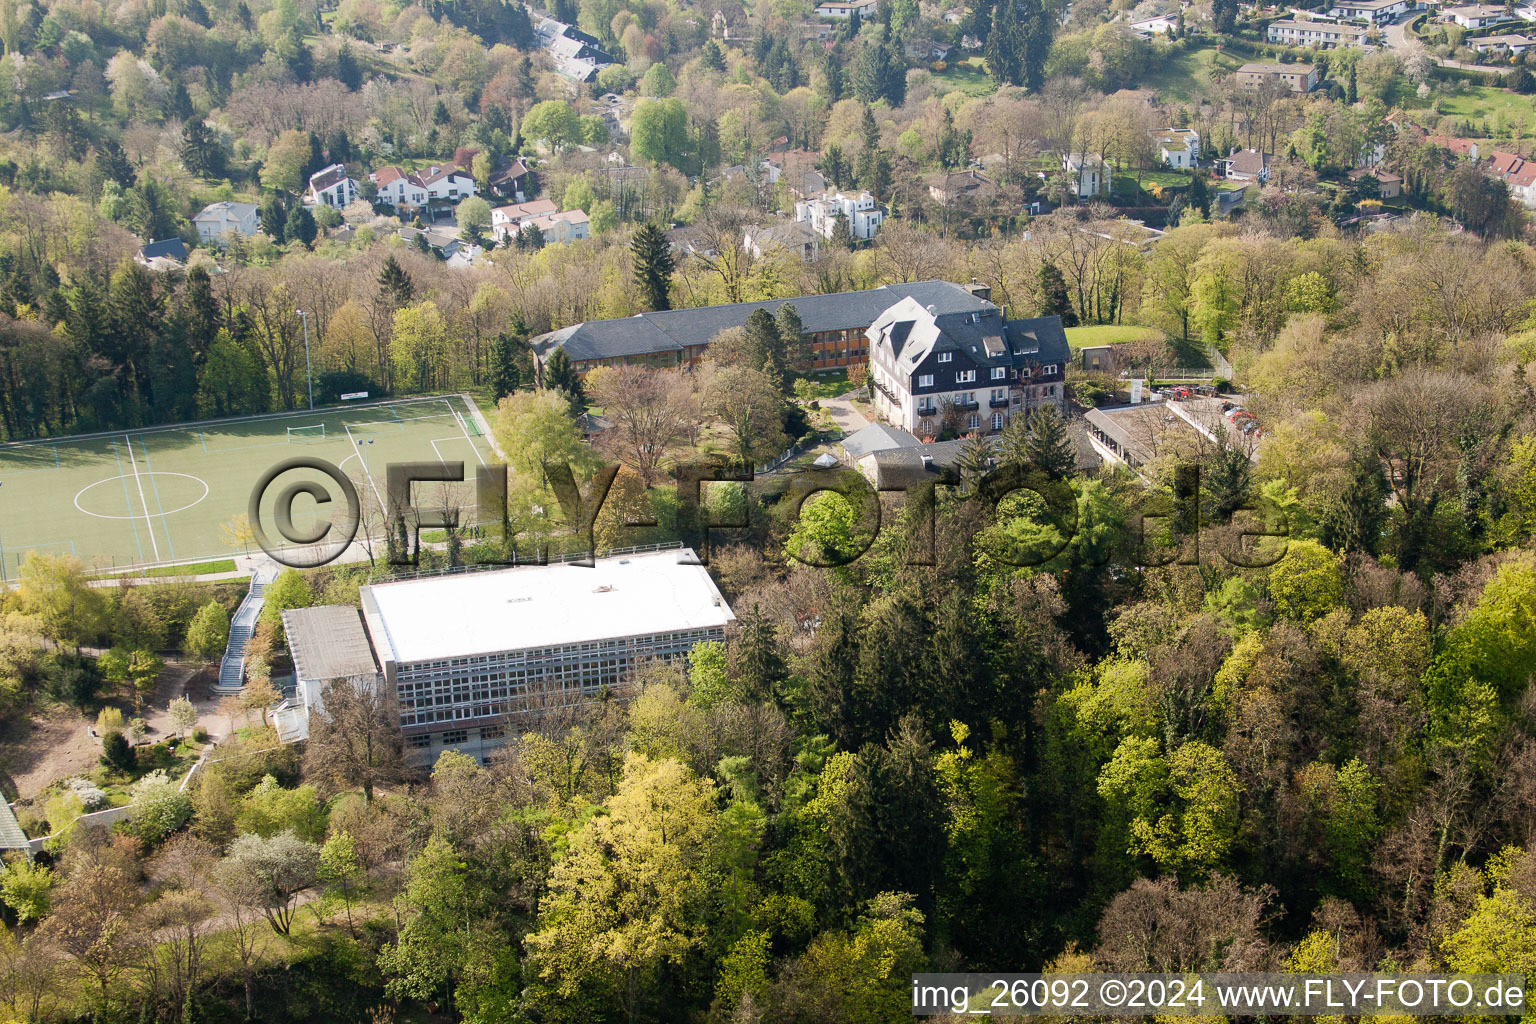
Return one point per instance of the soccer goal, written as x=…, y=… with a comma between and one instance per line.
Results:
x=314, y=432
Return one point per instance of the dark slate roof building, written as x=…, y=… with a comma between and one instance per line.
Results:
x=170, y=249
x=938, y=371
x=836, y=325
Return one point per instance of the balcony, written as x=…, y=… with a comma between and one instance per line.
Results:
x=927, y=410
x=970, y=406
x=999, y=403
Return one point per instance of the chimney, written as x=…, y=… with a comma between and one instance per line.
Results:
x=979, y=290
x=933, y=310
x=927, y=461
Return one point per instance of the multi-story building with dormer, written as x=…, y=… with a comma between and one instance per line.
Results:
x=963, y=372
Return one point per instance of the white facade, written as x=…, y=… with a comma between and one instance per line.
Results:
x=1178, y=148
x=846, y=8
x=1476, y=15
x=465, y=650
x=218, y=221
x=1157, y=26
x=559, y=227
x=1375, y=11
x=1321, y=34
x=448, y=183
x=398, y=188
x=332, y=187
x=1089, y=175
x=864, y=214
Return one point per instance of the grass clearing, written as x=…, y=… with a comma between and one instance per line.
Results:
x=968, y=76
x=1109, y=334
x=187, y=569
x=1186, y=76
x=1491, y=109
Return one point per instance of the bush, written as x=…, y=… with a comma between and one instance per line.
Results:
x=109, y=720
x=117, y=754
x=158, y=808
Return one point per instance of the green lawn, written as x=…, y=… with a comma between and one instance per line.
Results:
x=968, y=76
x=1492, y=109
x=161, y=496
x=1109, y=334
x=1186, y=77
x=829, y=384
x=189, y=569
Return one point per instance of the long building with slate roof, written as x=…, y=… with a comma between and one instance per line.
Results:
x=679, y=337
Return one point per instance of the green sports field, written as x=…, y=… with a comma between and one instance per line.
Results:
x=165, y=495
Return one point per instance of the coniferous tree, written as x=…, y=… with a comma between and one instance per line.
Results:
x=505, y=377
x=1054, y=298
x=113, y=162
x=1199, y=194
x=200, y=150
x=274, y=218
x=561, y=375
x=347, y=71
x=654, y=264
x=300, y=226
x=395, y=284
x=1018, y=43
x=1048, y=446
x=793, y=341
x=763, y=341
x=529, y=238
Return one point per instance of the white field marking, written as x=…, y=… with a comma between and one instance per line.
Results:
x=157, y=472
x=142, y=503
x=383, y=508
x=465, y=431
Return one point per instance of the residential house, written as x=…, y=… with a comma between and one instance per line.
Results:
x=796, y=237
x=956, y=186
x=1178, y=148
x=1476, y=15
x=926, y=51
x=931, y=370
x=865, y=9
x=1391, y=184
x=168, y=254
x=896, y=469
x=447, y=184
x=1246, y=165
x=332, y=187
x=1464, y=148
x=1513, y=43
x=1377, y=12
x=508, y=179
x=797, y=169
x=217, y=221
x=1295, y=77
x=1516, y=172
x=1089, y=175
x=572, y=52
x=1324, y=35
x=835, y=325
x=876, y=437
x=864, y=214
x=1158, y=25
x=399, y=188
x=560, y=227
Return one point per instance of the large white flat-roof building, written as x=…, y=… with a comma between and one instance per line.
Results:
x=465, y=650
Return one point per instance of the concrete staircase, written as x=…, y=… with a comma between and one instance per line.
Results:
x=232, y=668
